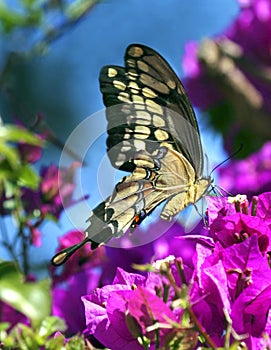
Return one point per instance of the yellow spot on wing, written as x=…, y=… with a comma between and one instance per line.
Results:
x=112, y=72
x=135, y=51
x=119, y=85
x=166, y=144
x=181, y=90
x=140, y=106
x=161, y=135
x=158, y=121
x=154, y=107
x=124, y=97
x=147, y=92
x=133, y=85
x=144, y=114
x=126, y=108
x=141, y=164
x=137, y=99
x=171, y=84
x=121, y=159
x=126, y=145
x=142, y=132
x=139, y=173
x=131, y=63
x=132, y=73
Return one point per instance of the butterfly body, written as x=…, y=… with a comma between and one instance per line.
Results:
x=154, y=135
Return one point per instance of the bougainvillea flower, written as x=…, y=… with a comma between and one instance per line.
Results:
x=238, y=227
x=262, y=342
x=251, y=30
x=29, y=153
x=264, y=207
x=55, y=191
x=251, y=175
x=12, y=316
x=35, y=236
x=236, y=279
x=118, y=314
x=229, y=226
x=101, y=324
x=67, y=302
x=250, y=283
x=228, y=75
x=148, y=309
x=209, y=292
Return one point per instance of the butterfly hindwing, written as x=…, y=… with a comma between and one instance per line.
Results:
x=168, y=176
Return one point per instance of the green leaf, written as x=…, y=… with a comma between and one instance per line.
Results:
x=33, y=299
x=10, y=204
x=3, y=330
x=4, y=326
x=50, y=325
x=26, y=338
x=74, y=343
x=14, y=133
x=11, y=133
x=28, y=177
x=8, y=18
x=236, y=346
x=10, y=155
x=56, y=343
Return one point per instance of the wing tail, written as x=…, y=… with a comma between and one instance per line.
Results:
x=62, y=256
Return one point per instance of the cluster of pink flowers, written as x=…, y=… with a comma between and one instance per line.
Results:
x=251, y=30
x=251, y=175
x=227, y=278
x=228, y=77
x=55, y=191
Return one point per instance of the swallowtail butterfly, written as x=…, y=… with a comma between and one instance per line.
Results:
x=154, y=135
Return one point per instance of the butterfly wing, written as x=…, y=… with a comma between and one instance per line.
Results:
x=153, y=133
x=147, y=107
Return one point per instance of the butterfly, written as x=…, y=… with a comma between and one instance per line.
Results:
x=153, y=134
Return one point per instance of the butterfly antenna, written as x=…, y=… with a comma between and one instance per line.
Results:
x=227, y=159
x=218, y=190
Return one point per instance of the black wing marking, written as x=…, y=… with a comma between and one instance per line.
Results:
x=148, y=108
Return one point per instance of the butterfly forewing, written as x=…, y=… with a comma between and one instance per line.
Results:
x=151, y=109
